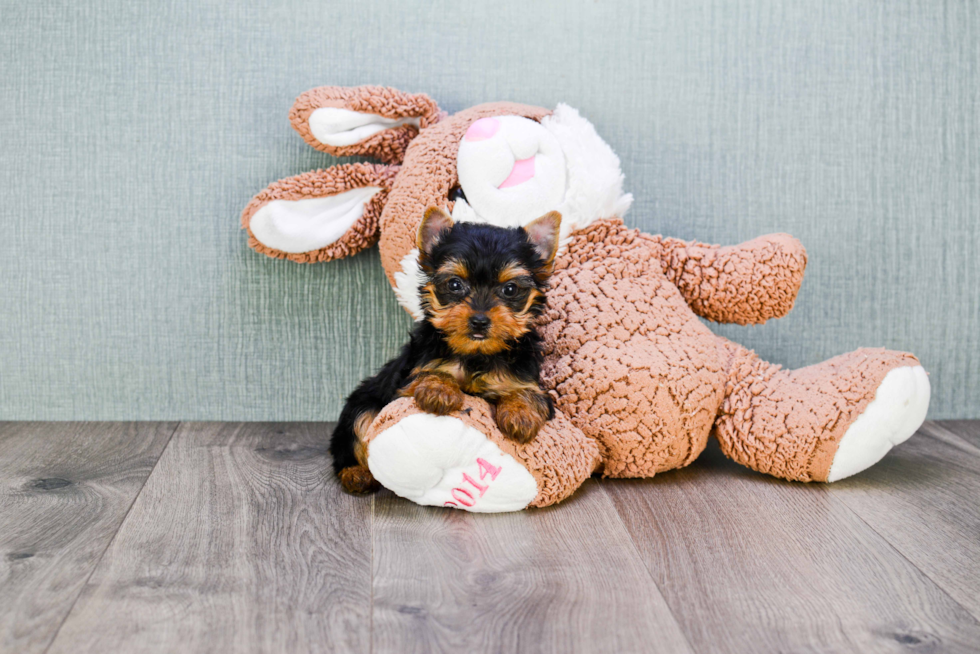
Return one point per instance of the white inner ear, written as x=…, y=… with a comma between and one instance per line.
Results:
x=305, y=225
x=340, y=127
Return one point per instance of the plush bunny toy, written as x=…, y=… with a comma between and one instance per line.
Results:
x=638, y=381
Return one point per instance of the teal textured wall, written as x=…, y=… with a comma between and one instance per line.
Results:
x=132, y=134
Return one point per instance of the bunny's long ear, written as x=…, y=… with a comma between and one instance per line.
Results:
x=373, y=121
x=321, y=215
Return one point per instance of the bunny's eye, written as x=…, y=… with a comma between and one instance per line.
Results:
x=457, y=194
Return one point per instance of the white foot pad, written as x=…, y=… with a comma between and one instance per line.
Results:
x=899, y=408
x=440, y=461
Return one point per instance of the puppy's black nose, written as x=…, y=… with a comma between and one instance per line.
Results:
x=479, y=322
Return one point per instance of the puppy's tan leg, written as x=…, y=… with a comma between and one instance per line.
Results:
x=358, y=479
x=520, y=416
x=435, y=392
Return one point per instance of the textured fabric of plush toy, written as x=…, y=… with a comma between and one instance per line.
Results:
x=763, y=403
x=639, y=382
x=747, y=284
x=625, y=354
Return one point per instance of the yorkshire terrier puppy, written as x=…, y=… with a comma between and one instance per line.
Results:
x=484, y=287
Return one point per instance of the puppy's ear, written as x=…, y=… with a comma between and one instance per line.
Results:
x=543, y=233
x=431, y=231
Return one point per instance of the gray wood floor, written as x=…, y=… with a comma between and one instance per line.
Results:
x=218, y=537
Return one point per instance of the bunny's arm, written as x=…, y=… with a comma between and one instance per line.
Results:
x=743, y=284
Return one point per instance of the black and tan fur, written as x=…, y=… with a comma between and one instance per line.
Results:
x=484, y=287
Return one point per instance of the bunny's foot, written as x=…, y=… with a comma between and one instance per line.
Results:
x=464, y=462
x=899, y=408
x=824, y=422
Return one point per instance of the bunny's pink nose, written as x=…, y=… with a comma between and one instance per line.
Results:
x=482, y=129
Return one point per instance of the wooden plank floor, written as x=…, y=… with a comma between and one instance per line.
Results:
x=64, y=491
x=216, y=537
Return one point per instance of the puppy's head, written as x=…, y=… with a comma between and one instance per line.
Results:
x=484, y=285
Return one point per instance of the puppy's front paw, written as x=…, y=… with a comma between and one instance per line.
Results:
x=520, y=417
x=438, y=394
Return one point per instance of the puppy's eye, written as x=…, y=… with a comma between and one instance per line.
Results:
x=455, y=285
x=509, y=290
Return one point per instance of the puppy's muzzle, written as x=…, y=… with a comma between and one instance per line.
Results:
x=479, y=325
